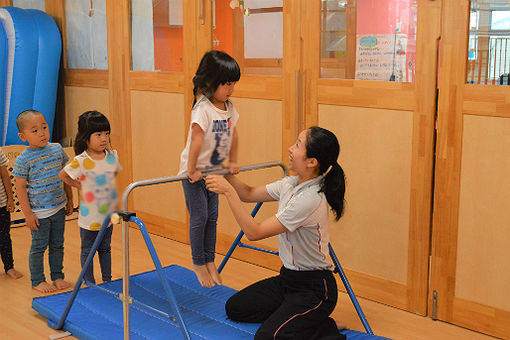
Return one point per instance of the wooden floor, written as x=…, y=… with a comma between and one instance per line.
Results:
x=20, y=321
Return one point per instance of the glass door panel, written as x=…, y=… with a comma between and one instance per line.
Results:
x=489, y=43
x=157, y=35
x=86, y=34
x=238, y=27
x=369, y=40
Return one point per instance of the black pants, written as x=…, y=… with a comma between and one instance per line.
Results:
x=292, y=305
x=5, y=239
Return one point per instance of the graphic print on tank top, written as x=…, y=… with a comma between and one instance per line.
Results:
x=222, y=131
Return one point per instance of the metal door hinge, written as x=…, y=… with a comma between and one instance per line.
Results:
x=434, y=305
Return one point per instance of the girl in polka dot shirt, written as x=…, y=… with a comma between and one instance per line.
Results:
x=93, y=172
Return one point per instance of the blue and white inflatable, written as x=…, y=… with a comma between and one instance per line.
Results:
x=30, y=49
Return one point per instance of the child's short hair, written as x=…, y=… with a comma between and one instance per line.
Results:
x=22, y=117
x=216, y=68
x=88, y=123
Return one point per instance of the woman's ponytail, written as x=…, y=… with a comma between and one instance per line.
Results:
x=323, y=145
x=334, y=189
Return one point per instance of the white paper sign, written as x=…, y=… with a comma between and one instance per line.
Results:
x=381, y=57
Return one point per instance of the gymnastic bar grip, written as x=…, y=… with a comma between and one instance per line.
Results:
x=163, y=180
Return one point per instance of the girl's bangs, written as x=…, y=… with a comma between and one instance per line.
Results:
x=97, y=125
x=230, y=72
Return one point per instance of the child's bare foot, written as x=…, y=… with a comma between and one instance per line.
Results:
x=13, y=273
x=211, y=268
x=61, y=284
x=203, y=276
x=44, y=287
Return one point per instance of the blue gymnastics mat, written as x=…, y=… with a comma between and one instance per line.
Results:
x=98, y=315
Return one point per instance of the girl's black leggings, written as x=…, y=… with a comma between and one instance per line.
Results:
x=292, y=305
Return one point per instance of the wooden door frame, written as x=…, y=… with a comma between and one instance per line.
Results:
x=418, y=97
x=456, y=99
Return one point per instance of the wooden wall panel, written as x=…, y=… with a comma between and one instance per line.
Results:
x=376, y=94
x=260, y=140
x=486, y=100
x=484, y=216
x=81, y=99
x=158, y=139
x=86, y=78
x=259, y=87
x=481, y=317
x=157, y=81
x=376, y=150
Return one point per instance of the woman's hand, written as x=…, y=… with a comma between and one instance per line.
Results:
x=218, y=184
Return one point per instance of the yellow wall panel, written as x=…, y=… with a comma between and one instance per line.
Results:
x=483, y=268
x=260, y=137
x=157, y=136
x=81, y=99
x=376, y=146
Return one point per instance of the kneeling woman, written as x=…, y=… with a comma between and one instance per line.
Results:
x=297, y=303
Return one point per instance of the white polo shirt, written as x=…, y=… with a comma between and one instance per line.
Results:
x=303, y=210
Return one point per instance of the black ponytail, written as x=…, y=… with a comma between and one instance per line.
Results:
x=216, y=68
x=322, y=145
x=334, y=189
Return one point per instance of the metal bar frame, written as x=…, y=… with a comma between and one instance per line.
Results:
x=127, y=299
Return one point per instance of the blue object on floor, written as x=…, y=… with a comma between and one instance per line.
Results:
x=96, y=315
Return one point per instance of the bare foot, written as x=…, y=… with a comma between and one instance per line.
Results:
x=13, y=273
x=61, y=284
x=44, y=287
x=203, y=276
x=211, y=268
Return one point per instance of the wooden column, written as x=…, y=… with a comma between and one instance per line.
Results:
x=311, y=59
x=56, y=8
x=4, y=3
x=350, y=46
x=293, y=99
x=448, y=156
x=239, y=39
x=429, y=26
x=197, y=35
x=119, y=64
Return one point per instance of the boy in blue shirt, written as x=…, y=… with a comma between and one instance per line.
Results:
x=42, y=196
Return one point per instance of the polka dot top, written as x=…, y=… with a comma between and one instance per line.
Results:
x=98, y=191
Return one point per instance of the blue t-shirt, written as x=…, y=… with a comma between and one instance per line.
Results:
x=40, y=167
